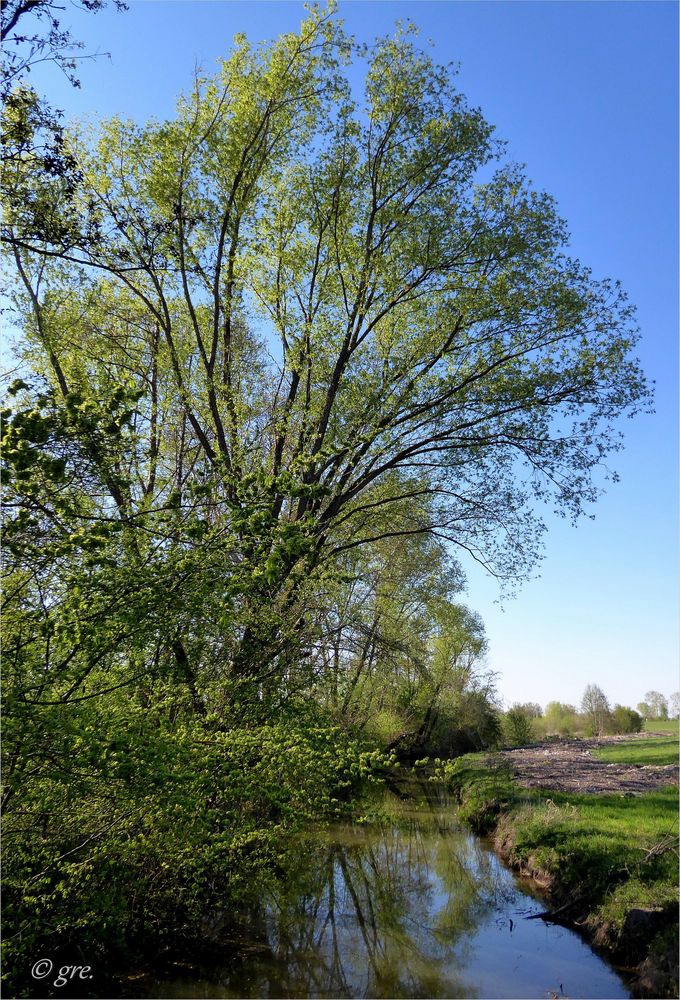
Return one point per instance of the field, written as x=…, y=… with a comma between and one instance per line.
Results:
x=655, y=750
x=662, y=726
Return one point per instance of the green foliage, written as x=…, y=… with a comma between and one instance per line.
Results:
x=565, y=720
x=484, y=786
x=33, y=33
x=530, y=708
x=560, y=719
x=421, y=350
x=32, y=137
x=596, y=710
x=625, y=720
x=132, y=825
x=410, y=373
x=403, y=658
x=518, y=726
x=477, y=724
x=657, y=705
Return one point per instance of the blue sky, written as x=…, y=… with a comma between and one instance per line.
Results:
x=585, y=94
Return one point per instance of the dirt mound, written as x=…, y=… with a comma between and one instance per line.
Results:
x=570, y=766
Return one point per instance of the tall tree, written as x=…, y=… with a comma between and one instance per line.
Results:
x=260, y=326
x=31, y=131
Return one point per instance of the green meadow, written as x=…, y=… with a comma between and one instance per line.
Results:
x=669, y=726
x=655, y=750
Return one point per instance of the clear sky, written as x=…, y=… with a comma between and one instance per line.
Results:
x=585, y=93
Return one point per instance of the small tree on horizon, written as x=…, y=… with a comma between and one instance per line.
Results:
x=658, y=705
x=595, y=708
x=518, y=725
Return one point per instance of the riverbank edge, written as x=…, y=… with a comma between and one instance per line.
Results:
x=490, y=802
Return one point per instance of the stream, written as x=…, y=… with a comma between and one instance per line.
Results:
x=410, y=904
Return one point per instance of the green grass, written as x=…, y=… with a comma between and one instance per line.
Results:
x=596, y=837
x=620, y=828
x=662, y=726
x=659, y=750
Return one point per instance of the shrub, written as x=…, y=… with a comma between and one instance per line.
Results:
x=626, y=720
x=145, y=825
x=518, y=726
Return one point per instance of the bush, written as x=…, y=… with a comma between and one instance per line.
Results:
x=144, y=825
x=518, y=726
x=560, y=720
x=626, y=720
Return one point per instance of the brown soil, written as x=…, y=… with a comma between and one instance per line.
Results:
x=570, y=766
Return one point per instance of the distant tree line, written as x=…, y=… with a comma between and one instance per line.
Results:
x=655, y=706
x=525, y=722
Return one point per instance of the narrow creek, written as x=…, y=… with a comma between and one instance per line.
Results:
x=407, y=905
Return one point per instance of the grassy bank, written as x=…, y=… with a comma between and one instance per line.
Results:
x=609, y=862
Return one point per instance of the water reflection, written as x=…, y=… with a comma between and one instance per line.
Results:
x=408, y=906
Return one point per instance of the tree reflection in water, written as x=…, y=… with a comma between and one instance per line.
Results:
x=378, y=910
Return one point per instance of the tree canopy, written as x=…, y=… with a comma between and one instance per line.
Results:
x=32, y=32
x=595, y=707
x=293, y=320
